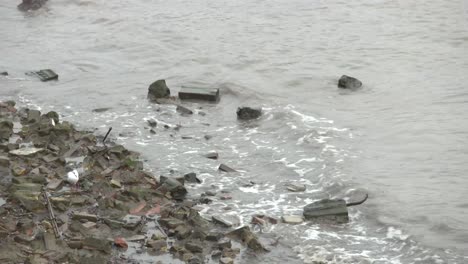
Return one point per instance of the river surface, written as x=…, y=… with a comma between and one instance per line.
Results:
x=403, y=137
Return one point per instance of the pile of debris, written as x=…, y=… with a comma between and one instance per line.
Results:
x=65, y=196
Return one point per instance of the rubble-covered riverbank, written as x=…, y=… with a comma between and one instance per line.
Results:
x=66, y=197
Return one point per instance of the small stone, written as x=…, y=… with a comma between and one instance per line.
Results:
x=136, y=238
x=152, y=131
x=225, y=197
x=192, y=177
x=6, y=130
x=4, y=162
x=212, y=155
x=47, y=74
x=4, y=73
x=89, y=225
x=101, y=110
x=296, y=187
x=196, y=93
x=84, y=215
x=152, y=123
x=98, y=244
x=221, y=221
x=210, y=193
x=292, y=219
x=157, y=244
x=26, y=151
x=226, y=261
x=213, y=236
x=208, y=137
x=224, y=243
x=54, y=184
x=194, y=247
x=121, y=242
x=348, y=82
x=248, y=113
x=131, y=221
x=182, y=232
x=115, y=183
x=226, y=168
x=183, y=110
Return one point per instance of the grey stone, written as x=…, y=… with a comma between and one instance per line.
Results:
x=296, y=187
x=4, y=73
x=226, y=261
x=226, y=168
x=27, y=5
x=183, y=110
x=84, y=215
x=4, y=162
x=248, y=113
x=152, y=123
x=54, y=116
x=47, y=74
x=192, y=177
x=28, y=151
x=334, y=210
x=212, y=155
x=131, y=221
x=98, y=244
x=156, y=244
x=6, y=130
x=194, y=247
x=174, y=187
x=224, y=243
x=348, y=82
x=136, y=238
x=193, y=93
x=213, y=236
x=221, y=221
x=158, y=90
x=245, y=235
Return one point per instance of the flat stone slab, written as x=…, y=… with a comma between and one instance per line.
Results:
x=334, y=210
x=195, y=93
x=26, y=151
x=44, y=75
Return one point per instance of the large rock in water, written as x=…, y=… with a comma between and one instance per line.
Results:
x=158, y=90
x=27, y=5
x=348, y=82
x=326, y=209
x=6, y=130
x=248, y=113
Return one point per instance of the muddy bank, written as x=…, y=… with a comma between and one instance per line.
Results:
x=66, y=196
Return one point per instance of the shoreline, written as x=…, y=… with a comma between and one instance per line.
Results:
x=115, y=210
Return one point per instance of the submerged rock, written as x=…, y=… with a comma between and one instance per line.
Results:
x=334, y=210
x=348, y=82
x=226, y=168
x=192, y=93
x=27, y=5
x=245, y=235
x=248, y=113
x=158, y=90
x=192, y=178
x=183, y=110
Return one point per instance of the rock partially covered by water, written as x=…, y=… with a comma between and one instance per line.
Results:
x=348, y=82
x=248, y=113
x=6, y=130
x=327, y=209
x=158, y=90
x=250, y=239
x=27, y=5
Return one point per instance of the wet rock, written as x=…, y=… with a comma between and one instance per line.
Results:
x=157, y=245
x=4, y=73
x=5, y=162
x=182, y=232
x=29, y=200
x=174, y=187
x=327, y=209
x=194, y=247
x=152, y=131
x=193, y=93
x=101, y=110
x=295, y=187
x=27, y=5
x=131, y=221
x=208, y=137
x=292, y=219
x=183, y=110
x=348, y=82
x=28, y=151
x=83, y=215
x=136, y=238
x=250, y=239
x=213, y=236
x=192, y=178
x=54, y=184
x=158, y=90
x=47, y=74
x=221, y=221
x=115, y=183
x=224, y=243
x=152, y=123
x=210, y=193
x=226, y=261
x=75, y=244
x=226, y=168
x=17, y=170
x=54, y=116
x=225, y=197
x=212, y=155
x=89, y=225
x=6, y=130
x=97, y=244
x=248, y=113
x=263, y=219
x=158, y=235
